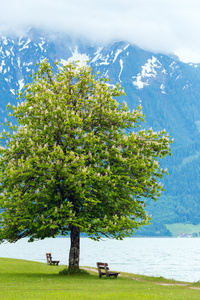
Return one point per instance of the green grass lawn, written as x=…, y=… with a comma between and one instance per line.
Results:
x=21, y=279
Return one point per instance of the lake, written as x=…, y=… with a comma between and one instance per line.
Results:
x=172, y=258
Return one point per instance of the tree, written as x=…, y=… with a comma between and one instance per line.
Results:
x=77, y=161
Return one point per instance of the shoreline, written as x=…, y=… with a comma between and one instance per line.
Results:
x=145, y=278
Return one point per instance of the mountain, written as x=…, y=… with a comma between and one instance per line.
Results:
x=167, y=89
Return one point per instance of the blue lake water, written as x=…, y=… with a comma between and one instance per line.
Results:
x=173, y=258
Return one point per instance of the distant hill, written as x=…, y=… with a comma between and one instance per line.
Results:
x=168, y=90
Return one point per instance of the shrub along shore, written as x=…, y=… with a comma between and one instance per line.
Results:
x=21, y=279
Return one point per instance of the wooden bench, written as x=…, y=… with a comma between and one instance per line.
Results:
x=104, y=270
x=50, y=261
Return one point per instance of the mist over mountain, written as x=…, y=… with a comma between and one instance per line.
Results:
x=167, y=89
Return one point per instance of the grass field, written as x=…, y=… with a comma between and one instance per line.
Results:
x=20, y=279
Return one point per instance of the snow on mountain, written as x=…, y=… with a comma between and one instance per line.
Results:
x=97, y=55
x=116, y=54
x=162, y=87
x=21, y=55
x=148, y=70
x=76, y=56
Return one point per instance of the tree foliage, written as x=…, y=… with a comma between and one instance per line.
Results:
x=77, y=159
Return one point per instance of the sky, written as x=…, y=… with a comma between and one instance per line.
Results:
x=164, y=26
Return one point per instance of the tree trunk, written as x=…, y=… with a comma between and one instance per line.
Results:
x=74, y=248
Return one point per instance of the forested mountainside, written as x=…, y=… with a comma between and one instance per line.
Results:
x=167, y=89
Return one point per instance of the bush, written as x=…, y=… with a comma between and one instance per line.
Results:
x=66, y=271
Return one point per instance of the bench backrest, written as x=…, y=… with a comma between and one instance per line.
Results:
x=49, y=258
x=102, y=269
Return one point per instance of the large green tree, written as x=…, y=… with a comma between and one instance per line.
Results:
x=78, y=161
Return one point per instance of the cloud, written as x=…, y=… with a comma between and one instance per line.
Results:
x=169, y=26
